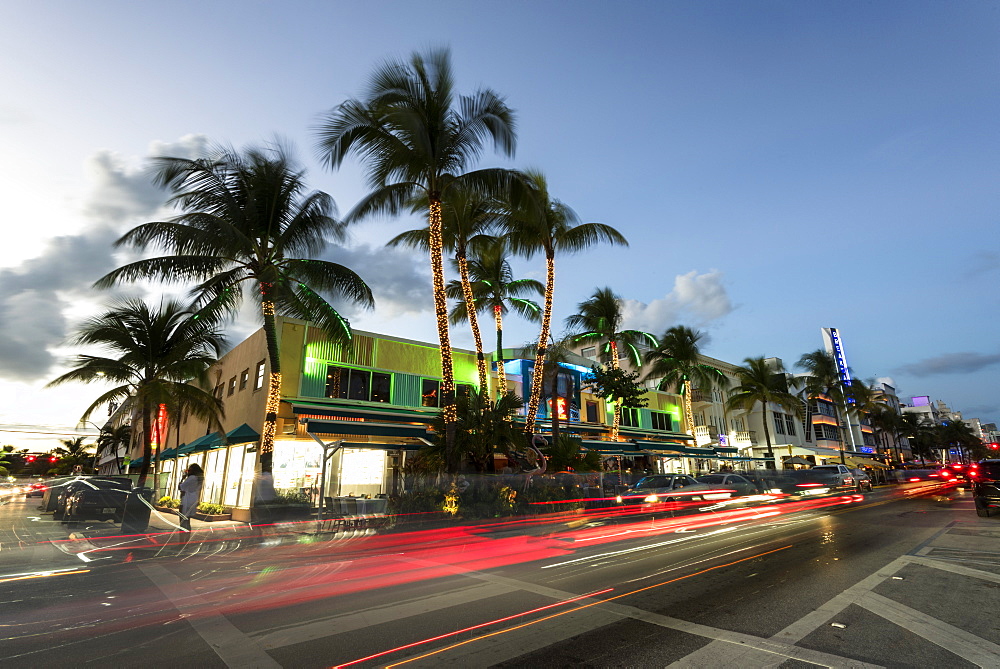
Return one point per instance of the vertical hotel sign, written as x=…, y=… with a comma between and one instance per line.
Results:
x=836, y=348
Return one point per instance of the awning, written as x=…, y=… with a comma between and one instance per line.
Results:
x=169, y=453
x=206, y=443
x=721, y=449
x=865, y=462
x=382, y=447
x=242, y=435
x=611, y=447
x=367, y=428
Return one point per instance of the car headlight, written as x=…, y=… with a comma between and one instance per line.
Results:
x=618, y=499
x=651, y=498
x=775, y=491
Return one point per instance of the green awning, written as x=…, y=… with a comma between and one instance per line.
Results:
x=242, y=435
x=721, y=449
x=699, y=452
x=136, y=462
x=206, y=443
x=367, y=428
x=382, y=447
x=169, y=453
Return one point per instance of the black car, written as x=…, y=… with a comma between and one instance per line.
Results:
x=985, y=486
x=95, y=497
x=808, y=482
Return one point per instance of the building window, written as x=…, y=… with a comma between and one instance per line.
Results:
x=790, y=424
x=357, y=384
x=430, y=392
x=828, y=432
x=779, y=423
x=589, y=352
x=821, y=408
x=219, y=390
x=232, y=385
x=259, y=377
x=592, y=412
x=661, y=421
x=244, y=378
x=630, y=418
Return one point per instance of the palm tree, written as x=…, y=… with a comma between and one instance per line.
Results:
x=557, y=353
x=485, y=427
x=111, y=439
x=865, y=399
x=466, y=217
x=540, y=224
x=888, y=424
x=676, y=362
x=249, y=226
x=823, y=378
x=599, y=319
x=494, y=288
x=760, y=381
x=73, y=452
x=156, y=357
x=418, y=140
x=920, y=434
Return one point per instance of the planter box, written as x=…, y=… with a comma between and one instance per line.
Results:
x=163, y=509
x=209, y=518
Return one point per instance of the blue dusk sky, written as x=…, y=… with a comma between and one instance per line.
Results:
x=778, y=167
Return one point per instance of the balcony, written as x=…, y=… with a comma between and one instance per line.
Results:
x=702, y=396
x=706, y=434
x=744, y=438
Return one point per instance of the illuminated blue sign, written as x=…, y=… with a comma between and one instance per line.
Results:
x=838, y=354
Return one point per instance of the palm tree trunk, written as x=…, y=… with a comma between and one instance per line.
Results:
x=536, y=379
x=501, y=373
x=273, y=384
x=767, y=433
x=441, y=314
x=470, y=310
x=617, y=420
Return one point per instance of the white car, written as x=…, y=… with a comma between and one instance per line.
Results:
x=671, y=488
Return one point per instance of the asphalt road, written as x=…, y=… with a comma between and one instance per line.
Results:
x=884, y=580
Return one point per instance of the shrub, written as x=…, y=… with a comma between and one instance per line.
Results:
x=291, y=497
x=169, y=503
x=212, y=509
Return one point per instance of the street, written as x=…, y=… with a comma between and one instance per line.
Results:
x=883, y=580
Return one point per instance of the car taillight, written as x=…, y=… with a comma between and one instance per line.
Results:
x=916, y=479
x=809, y=485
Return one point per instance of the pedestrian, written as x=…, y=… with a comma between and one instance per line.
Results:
x=190, y=488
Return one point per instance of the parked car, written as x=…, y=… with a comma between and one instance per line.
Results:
x=50, y=495
x=96, y=498
x=985, y=486
x=740, y=484
x=669, y=488
x=862, y=480
x=65, y=490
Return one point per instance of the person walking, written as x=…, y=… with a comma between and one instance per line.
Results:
x=190, y=488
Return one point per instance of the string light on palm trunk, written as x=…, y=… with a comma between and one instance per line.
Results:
x=470, y=310
x=271, y=412
x=441, y=310
x=688, y=411
x=501, y=373
x=536, y=381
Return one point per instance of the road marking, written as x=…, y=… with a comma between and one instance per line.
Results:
x=232, y=646
x=956, y=569
x=806, y=624
x=348, y=622
x=966, y=645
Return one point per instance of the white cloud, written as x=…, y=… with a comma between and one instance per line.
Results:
x=696, y=300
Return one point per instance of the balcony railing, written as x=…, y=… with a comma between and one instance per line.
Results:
x=744, y=438
x=705, y=434
x=698, y=395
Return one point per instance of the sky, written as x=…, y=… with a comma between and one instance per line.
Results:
x=777, y=167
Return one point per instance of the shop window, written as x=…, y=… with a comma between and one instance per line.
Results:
x=259, y=376
x=244, y=378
